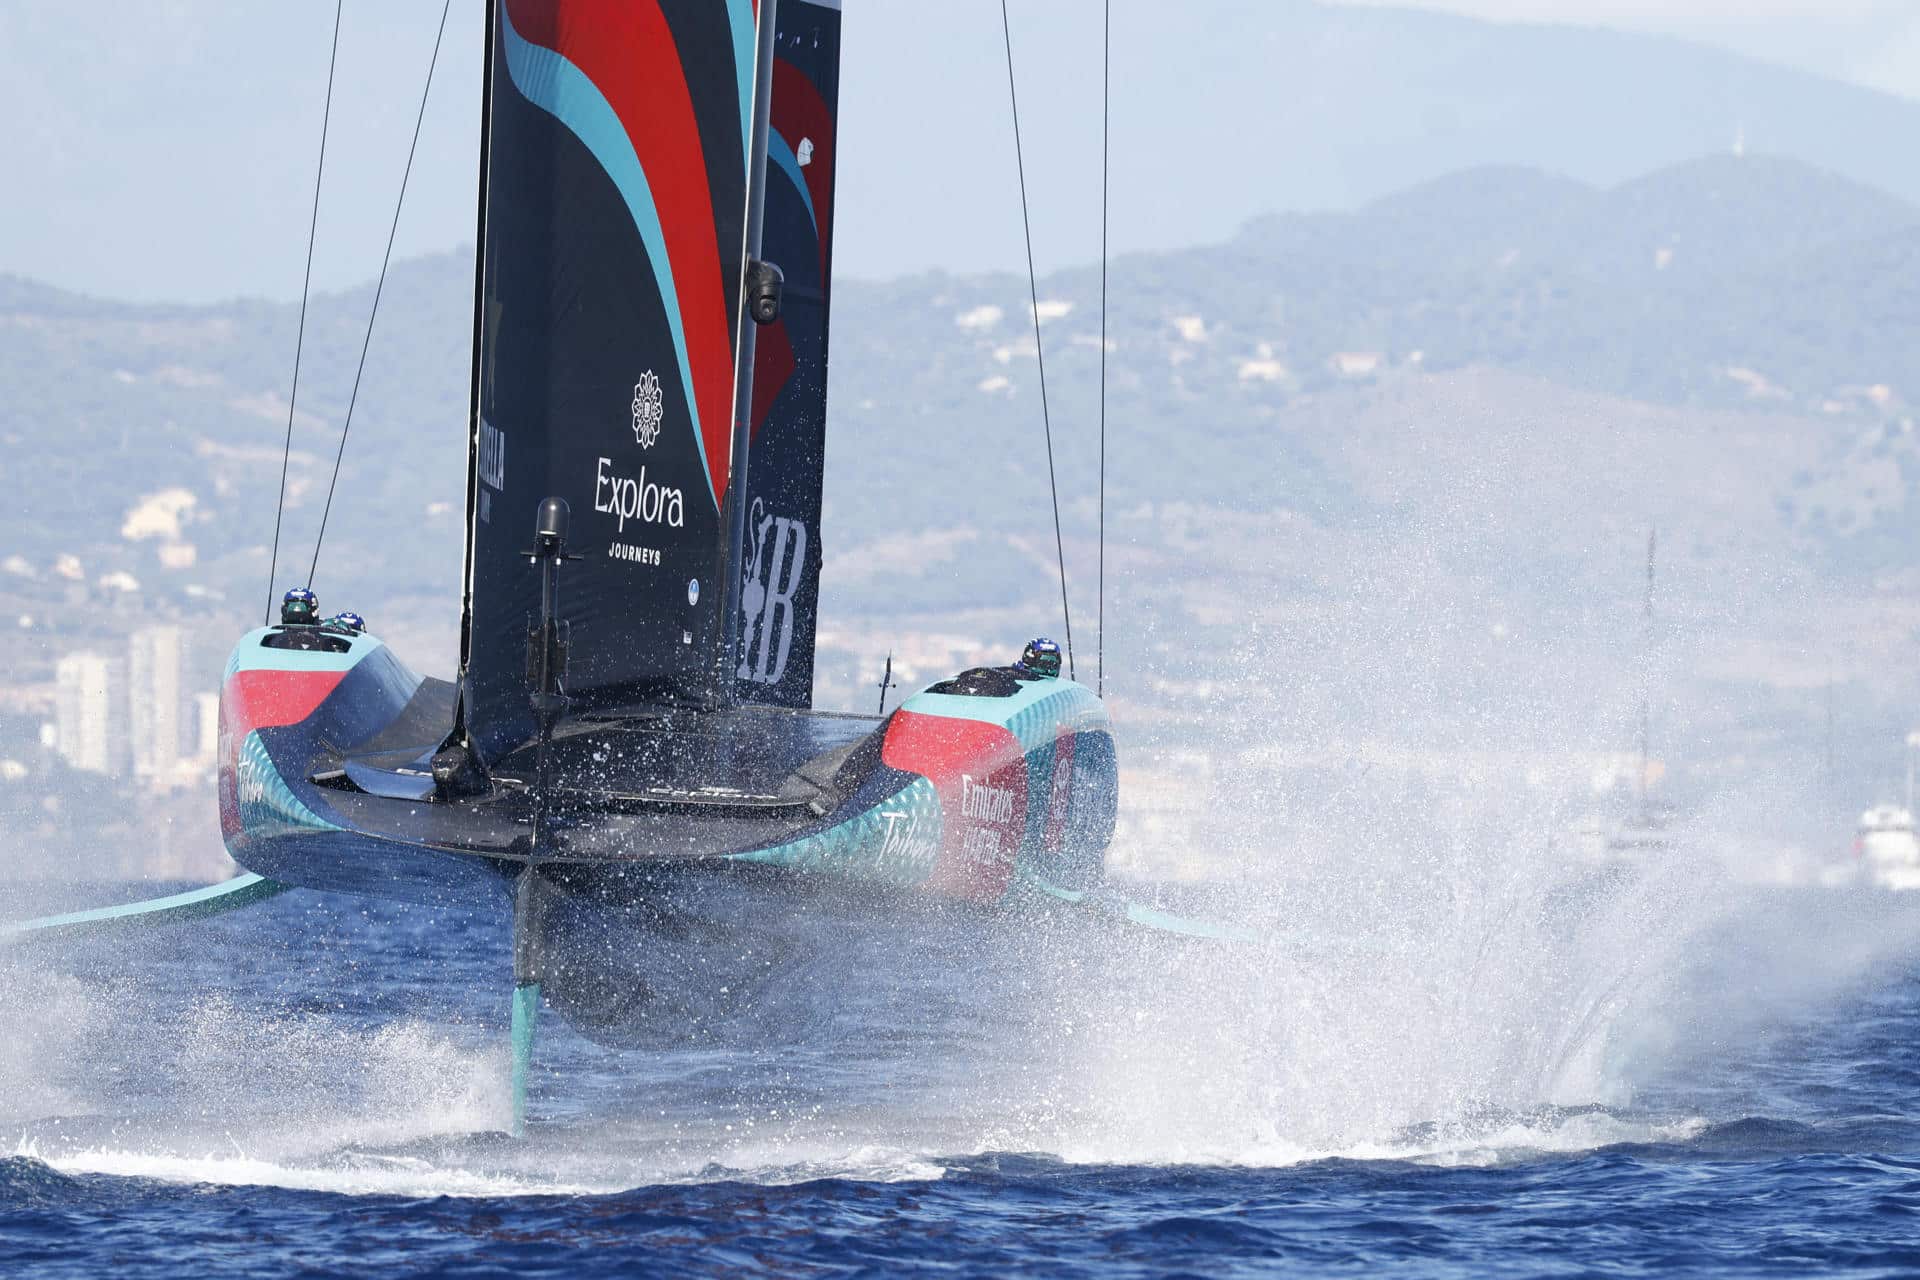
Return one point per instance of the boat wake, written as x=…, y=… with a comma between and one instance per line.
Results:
x=1469, y=1033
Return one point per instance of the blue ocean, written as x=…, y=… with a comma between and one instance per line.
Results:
x=1436, y=1076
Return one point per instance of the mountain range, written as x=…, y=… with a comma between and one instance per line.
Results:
x=168, y=153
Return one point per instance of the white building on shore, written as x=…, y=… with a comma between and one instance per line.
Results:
x=87, y=706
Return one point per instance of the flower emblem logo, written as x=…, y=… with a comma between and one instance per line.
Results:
x=648, y=409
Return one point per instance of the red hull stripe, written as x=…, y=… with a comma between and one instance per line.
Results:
x=261, y=699
x=981, y=775
x=264, y=698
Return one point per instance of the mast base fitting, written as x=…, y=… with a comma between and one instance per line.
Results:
x=457, y=775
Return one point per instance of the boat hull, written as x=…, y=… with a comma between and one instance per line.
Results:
x=984, y=800
x=1888, y=848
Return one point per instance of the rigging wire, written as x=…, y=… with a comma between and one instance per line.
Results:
x=293, y=396
x=1100, y=590
x=380, y=285
x=1033, y=293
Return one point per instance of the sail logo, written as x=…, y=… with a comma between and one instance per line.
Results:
x=490, y=457
x=493, y=455
x=987, y=803
x=648, y=409
x=636, y=499
x=776, y=566
x=803, y=154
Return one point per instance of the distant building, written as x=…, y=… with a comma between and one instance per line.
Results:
x=1357, y=364
x=155, y=661
x=84, y=713
x=207, y=712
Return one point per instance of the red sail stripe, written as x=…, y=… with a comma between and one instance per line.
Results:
x=800, y=112
x=628, y=51
x=773, y=365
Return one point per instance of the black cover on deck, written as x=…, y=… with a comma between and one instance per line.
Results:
x=748, y=757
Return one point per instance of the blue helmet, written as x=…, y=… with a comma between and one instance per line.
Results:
x=1041, y=657
x=300, y=605
x=348, y=620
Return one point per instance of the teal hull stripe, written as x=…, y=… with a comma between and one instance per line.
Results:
x=1034, y=715
x=268, y=806
x=192, y=905
x=564, y=92
x=895, y=843
x=250, y=655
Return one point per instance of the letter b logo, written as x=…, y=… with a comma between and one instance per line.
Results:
x=766, y=598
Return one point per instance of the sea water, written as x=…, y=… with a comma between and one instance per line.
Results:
x=1456, y=1046
x=1549, y=1070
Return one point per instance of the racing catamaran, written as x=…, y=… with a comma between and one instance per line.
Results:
x=631, y=719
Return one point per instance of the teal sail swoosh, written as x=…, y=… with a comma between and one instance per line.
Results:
x=740, y=16
x=563, y=91
x=781, y=154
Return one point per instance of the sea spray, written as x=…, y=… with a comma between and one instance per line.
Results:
x=1444, y=969
x=1398, y=820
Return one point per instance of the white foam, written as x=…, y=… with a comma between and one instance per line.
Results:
x=552, y=1172
x=365, y=1176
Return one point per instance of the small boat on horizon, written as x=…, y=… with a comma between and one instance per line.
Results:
x=1887, y=847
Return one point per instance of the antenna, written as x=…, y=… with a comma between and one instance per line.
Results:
x=886, y=680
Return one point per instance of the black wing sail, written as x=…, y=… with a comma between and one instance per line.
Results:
x=780, y=562
x=619, y=138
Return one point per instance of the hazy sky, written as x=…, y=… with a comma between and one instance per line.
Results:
x=163, y=149
x=1875, y=43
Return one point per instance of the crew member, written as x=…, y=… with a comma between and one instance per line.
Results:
x=299, y=607
x=1041, y=658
